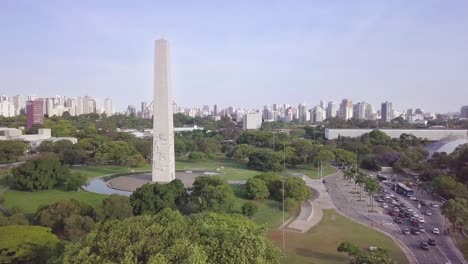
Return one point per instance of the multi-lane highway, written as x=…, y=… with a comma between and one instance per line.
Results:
x=443, y=252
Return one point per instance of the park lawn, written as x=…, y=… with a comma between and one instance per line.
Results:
x=28, y=202
x=311, y=171
x=97, y=171
x=269, y=211
x=228, y=169
x=320, y=243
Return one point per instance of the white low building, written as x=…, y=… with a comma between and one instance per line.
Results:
x=252, y=121
x=33, y=140
x=429, y=134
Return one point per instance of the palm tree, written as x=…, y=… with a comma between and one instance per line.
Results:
x=360, y=180
x=372, y=186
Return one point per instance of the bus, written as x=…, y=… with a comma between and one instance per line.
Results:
x=404, y=190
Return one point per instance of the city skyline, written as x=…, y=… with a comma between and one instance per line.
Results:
x=376, y=51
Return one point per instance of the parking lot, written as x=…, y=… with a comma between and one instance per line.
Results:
x=410, y=221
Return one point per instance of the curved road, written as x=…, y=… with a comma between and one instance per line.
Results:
x=440, y=254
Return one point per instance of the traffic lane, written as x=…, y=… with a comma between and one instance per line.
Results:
x=435, y=220
x=412, y=242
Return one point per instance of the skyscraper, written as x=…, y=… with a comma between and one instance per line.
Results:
x=386, y=111
x=19, y=103
x=34, y=113
x=163, y=135
x=331, y=110
x=346, y=109
x=108, y=110
x=464, y=112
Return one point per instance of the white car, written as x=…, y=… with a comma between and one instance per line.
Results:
x=396, y=209
x=409, y=210
x=428, y=212
x=434, y=205
x=384, y=205
x=394, y=202
x=435, y=230
x=421, y=219
x=392, y=195
x=416, y=215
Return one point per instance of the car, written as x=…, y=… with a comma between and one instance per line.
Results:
x=421, y=219
x=422, y=203
x=398, y=220
x=391, y=213
x=431, y=242
x=396, y=199
x=415, y=224
x=416, y=215
x=396, y=209
x=415, y=231
x=428, y=212
x=409, y=210
x=421, y=229
x=401, y=215
x=406, y=231
x=380, y=200
x=424, y=245
x=436, y=231
x=394, y=202
x=384, y=205
x=407, y=214
x=413, y=198
x=392, y=195
x=434, y=205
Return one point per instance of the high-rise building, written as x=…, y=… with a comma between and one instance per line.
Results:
x=19, y=103
x=79, y=106
x=7, y=109
x=360, y=110
x=464, y=112
x=346, y=109
x=252, y=121
x=71, y=106
x=303, y=114
x=108, y=109
x=331, y=110
x=34, y=113
x=386, y=112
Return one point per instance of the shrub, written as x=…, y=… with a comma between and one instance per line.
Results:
x=256, y=189
x=75, y=181
x=195, y=155
x=249, y=209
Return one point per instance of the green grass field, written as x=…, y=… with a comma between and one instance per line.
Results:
x=311, y=171
x=28, y=202
x=320, y=243
x=269, y=211
x=96, y=171
x=229, y=169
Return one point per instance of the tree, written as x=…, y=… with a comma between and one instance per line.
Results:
x=174, y=238
x=11, y=150
x=378, y=137
x=296, y=189
x=27, y=244
x=344, y=157
x=196, y=155
x=75, y=181
x=39, y=174
x=265, y=160
x=249, y=209
x=153, y=198
x=360, y=179
x=242, y=151
x=211, y=193
x=256, y=189
x=371, y=185
x=271, y=179
x=119, y=152
x=14, y=219
x=114, y=207
x=456, y=210
x=69, y=219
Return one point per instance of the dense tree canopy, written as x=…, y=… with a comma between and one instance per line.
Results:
x=256, y=189
x=153, y=198
x=169, y=237
x=40, y=174
x=114, y=207
x=27, y=244
x=211, y=193
x=11, y=150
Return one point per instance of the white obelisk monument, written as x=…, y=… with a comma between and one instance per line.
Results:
x=163, y=127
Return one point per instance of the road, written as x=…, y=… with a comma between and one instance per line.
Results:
x=442, y=253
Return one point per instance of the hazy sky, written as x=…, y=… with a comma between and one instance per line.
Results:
x=243, y=53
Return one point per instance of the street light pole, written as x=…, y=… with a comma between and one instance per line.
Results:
x=282, y=181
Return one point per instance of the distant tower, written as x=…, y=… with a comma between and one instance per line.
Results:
x=386, y=112
x=34, y=113
x=163, y=135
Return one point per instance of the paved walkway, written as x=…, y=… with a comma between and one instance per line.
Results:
x=312, y=209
